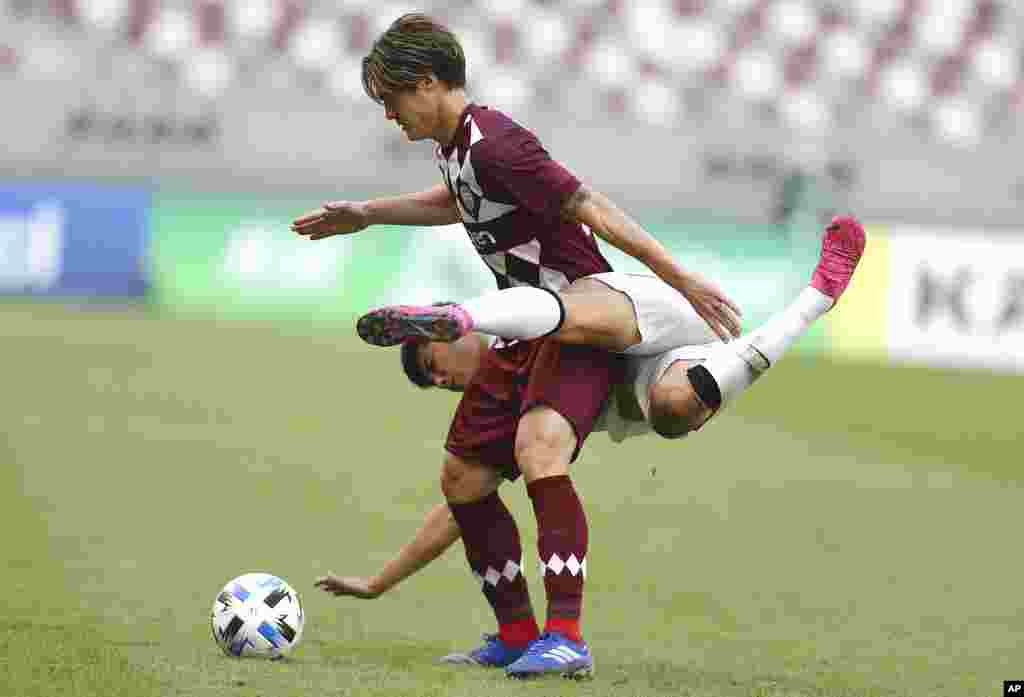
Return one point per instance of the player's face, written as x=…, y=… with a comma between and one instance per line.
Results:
x=451, y=366
x=415, y=110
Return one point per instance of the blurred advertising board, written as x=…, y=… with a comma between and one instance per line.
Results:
x=760, y=267
x=944, y=298
x=72, y=240
x=238, y=257
x=957, y=298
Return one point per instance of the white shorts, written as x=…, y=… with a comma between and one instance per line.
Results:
x=665, y=318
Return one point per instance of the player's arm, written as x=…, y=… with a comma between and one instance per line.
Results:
x=431, y=207
x=610, y=223
x=518, y=167
x=438, y=532
x=434, y=206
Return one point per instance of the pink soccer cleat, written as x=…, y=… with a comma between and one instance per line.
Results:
x=841, y=249
x=393, y=324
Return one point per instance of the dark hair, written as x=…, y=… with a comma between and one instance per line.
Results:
x=413, y=47
x=666, y=423
x=670, y=410
x=412, y=367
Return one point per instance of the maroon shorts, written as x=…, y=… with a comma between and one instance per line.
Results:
x=572, y=380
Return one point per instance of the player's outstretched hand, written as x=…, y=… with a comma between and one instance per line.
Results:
x=714, y=306
x=346, y=585
x=335, y=218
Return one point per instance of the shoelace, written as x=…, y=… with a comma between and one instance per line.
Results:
x=839, y=263
x=490, y=641
x=844, y=247
x=489, y=638
x=847, y=253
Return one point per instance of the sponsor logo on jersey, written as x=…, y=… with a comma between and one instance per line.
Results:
x=483, y=241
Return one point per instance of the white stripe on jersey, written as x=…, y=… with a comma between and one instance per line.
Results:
x=530, y=251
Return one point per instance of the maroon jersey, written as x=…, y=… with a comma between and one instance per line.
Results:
x=509, y=192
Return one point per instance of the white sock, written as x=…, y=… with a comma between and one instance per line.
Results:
x=523, y=312
x=776, y=335
x=736, y=365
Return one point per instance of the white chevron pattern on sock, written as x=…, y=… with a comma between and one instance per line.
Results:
x=493, y=576
x=556, y=565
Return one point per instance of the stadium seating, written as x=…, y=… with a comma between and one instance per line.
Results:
x=951, y=67
x=812, y=80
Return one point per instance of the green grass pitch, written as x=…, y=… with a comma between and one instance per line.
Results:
x=843, y=530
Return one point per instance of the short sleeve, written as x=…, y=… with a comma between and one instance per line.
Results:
x=515, y=166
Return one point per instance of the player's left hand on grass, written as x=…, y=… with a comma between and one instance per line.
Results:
x=353, y=586
x=713, y=305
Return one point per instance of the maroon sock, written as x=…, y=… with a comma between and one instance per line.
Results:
x=491, y=539
x=562, y=543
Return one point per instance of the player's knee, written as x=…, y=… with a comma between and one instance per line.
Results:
x=540, y=457
x=675, y=410
x=462, y=481
x=544, y=444
x=453, y=477
x=536, y=449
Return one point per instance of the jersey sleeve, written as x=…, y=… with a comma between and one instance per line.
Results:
x=516, y=167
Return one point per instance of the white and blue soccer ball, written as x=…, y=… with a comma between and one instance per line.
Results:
x=257, y=615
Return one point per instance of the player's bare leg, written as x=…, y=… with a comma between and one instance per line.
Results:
x=690, y=393
x=588, y=312
x=597, y=315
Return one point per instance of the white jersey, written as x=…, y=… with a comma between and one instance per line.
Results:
x=670, y=331
x=615, y=420
x=620, y=416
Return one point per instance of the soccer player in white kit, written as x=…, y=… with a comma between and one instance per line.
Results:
x=680, y=374
x=660, y=392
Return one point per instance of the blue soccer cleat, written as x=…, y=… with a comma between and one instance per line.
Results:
x=554, y=654
x=495, y=653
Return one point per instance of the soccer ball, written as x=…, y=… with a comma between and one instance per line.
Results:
x=257, y=615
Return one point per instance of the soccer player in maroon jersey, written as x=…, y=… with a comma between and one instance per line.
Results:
x=531, y=404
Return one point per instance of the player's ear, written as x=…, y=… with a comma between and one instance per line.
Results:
x=428, y=82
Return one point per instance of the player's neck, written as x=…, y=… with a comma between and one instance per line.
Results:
x=451, y=110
